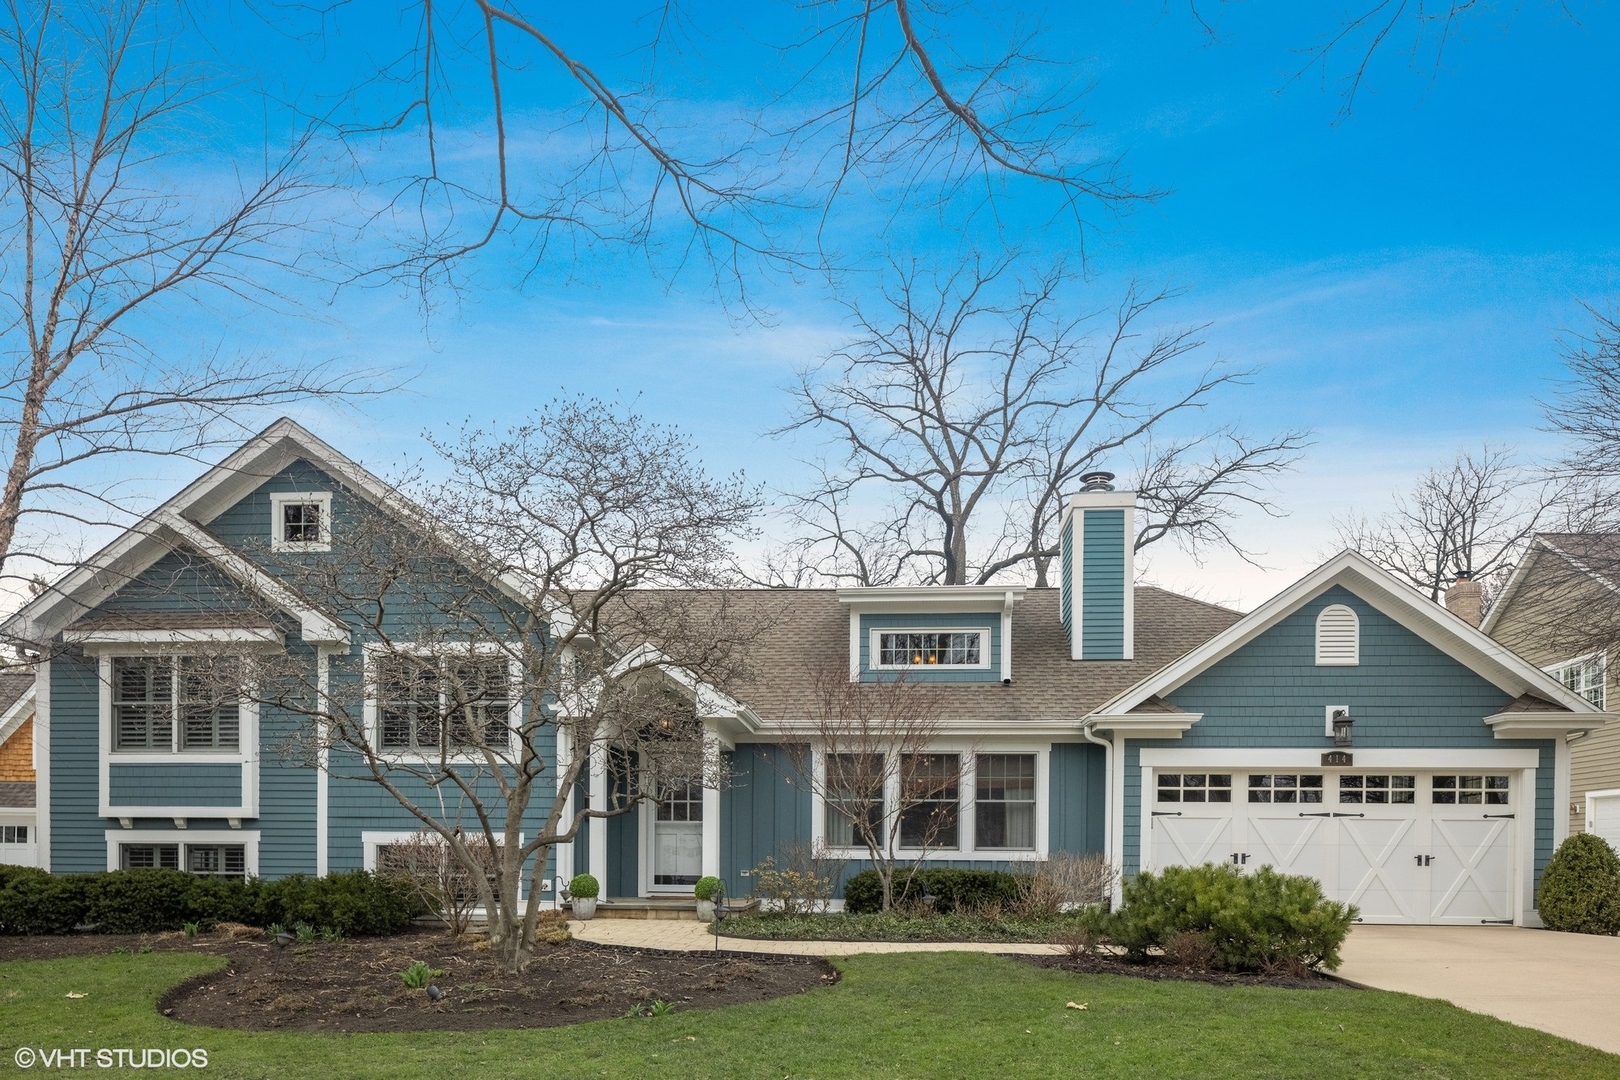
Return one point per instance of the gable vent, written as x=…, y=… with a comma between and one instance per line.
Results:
x=1338, y=637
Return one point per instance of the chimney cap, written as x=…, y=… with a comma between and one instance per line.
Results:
x=1100, y=480
x=1465, y=575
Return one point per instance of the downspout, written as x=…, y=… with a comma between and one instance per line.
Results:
x=1116, y=859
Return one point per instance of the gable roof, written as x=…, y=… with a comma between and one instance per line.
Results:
x=183, y=521
x=805, y=631
x=1597, y=555
x=1453, y=636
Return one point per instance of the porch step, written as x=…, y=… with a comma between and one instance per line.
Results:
x=660, y=907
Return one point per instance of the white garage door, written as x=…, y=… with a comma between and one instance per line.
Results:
x=1603, y=815
x=1404, y=847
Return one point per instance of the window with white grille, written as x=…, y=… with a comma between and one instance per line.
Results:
x=931, y=648
x=1338, y=637
x=13, y=834
x=1584, y=675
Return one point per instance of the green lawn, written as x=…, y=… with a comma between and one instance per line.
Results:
x=918, y=1015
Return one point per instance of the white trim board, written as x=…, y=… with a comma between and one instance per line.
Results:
x=1163, y=757
x=248, y=838
x=15, y=716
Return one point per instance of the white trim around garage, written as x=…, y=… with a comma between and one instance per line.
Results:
x=1371, y=758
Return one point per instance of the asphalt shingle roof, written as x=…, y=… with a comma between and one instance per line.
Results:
x=804, y=631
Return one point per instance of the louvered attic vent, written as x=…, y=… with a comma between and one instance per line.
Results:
x=1338, y=637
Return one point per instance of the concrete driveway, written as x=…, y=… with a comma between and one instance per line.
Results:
x=1563, y=984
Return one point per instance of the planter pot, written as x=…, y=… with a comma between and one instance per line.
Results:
x=584, y=908
x=705, y=910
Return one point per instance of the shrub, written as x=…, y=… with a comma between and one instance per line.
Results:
x=706, y=887
x=584, y=887
x=1065, y=882
x=154, y=901
x=1580, y=888
x=803, y=884
x=35, y=902
x=953, y=890
x=419, y=974
x=1253, y=922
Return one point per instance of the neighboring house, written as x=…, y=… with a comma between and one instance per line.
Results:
x=17, y=815
x=1561, y=611
x=1348, y=728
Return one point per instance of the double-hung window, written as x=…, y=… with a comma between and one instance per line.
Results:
x=150, y=692
x=930, y=815
x=1004, y=802
x=854, y=801
x=1584, y=675
x=428, y=704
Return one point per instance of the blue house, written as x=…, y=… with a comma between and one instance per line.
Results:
x=1348, y=728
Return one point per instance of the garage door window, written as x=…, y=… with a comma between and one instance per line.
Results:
x=1471, y=790
x=1285, y=788
x=1195, y=787
x=1378, y=788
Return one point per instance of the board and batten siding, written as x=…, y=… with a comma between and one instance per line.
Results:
x=988, y=621
x=1405, y=693
x=764, y=806
x=1078, y=799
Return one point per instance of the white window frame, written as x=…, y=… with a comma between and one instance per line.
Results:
x=247, y=838
x=372, y=722
x=246, y=754
x=968, y=789
x=280, y=499
x=1600, y=659
x=176, y=751
x=372, y=839
x=874, y=650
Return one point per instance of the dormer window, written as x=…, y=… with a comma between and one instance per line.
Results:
x=931, y=649
x=301, y=521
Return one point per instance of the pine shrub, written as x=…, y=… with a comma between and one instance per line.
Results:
x=1580, y=888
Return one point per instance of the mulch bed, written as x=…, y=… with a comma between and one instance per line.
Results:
x=355, y=985
x=1158, y=968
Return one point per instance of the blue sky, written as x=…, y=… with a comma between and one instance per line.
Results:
x=1400, y=275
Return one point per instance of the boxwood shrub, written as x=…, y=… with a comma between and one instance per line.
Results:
x=153, y=901
x=1580, y=888
x=1259, y=921
x=953, y=890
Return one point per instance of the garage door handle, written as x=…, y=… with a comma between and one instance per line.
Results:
x=1302, y=814
x=1167, y=813
x=1347, y=815
x=1498, y=815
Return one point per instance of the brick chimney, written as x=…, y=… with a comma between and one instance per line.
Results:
x=1463, y=598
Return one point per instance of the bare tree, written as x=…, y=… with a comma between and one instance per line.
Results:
x=912, y=103
x=98, y=117
x=872, y=760
x=1474, y=516
x=502, y=642
x=435, y=876
x=958, y=403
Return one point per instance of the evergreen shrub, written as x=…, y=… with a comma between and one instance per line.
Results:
x=1580, y=888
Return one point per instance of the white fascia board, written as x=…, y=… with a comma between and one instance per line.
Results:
x=1511, y=589
x=934, y=597
x=316, y=626
x=709, y=700
x=93, y=639
x=1145, y=725
x=990, y=732
x=1526, y=724
x=13, y=717
x=1485, y=656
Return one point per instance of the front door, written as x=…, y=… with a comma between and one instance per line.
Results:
x=677, y=839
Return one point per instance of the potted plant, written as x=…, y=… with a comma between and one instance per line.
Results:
x=706, y=889
x=584, y=890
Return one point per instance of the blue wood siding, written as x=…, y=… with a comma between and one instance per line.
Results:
x=1404, y=693
x=77, y=827
x=1103, y=584
x=764, y=805
x=183, y=783
x=989, y=621
x=1078, y=800
x=177, y=583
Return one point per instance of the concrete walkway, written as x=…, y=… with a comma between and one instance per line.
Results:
x=692, y=936
x=1563, y=984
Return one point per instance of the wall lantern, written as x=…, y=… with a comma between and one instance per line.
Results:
x=1343, y=722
